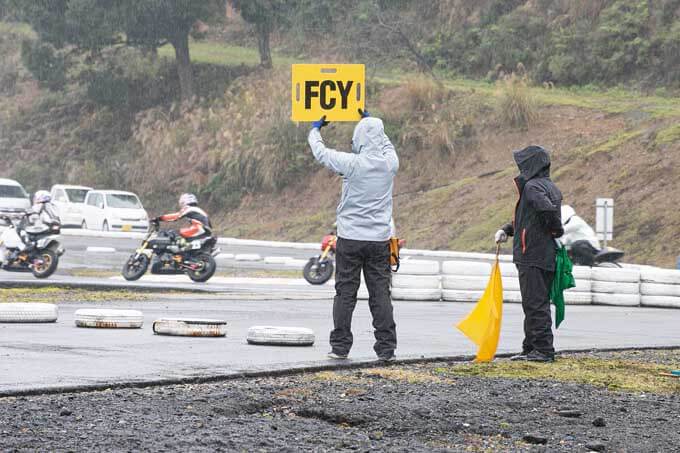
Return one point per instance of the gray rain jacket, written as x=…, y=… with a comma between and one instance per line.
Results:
x=365, y=209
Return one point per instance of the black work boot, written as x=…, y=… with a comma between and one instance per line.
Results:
x=521, y=356
x=541, y=357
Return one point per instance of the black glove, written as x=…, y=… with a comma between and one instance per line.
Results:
x=321, y=123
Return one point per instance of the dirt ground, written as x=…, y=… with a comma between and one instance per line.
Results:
x=583, y=402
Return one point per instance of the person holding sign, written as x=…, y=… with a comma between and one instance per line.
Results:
x=535, y=226
x=363, y=223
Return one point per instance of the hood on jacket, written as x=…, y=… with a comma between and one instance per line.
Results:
x=567, y=213
x=369, y=136
x=532, y=161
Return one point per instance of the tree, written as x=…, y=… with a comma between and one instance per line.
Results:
x=265, y=15
x=91, y=25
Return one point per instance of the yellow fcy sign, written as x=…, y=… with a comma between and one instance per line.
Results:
x=334, y=90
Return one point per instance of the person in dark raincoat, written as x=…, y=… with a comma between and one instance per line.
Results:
x=535, y=226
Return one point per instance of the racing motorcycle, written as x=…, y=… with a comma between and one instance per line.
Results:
x=319, y=269
x=30, y=248
x=169, y=253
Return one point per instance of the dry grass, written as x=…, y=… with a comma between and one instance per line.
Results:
x=516, y=105
x=53, y=294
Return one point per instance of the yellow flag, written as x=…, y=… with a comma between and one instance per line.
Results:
x=483, y=324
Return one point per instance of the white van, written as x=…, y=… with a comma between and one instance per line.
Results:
x=114, y=210
x=13, y=197
x=69, y=202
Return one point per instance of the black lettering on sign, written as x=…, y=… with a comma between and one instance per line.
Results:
x=327, y=85
x=344, y=92
x=310, y=93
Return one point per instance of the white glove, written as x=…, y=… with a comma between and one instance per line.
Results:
x=501, y=236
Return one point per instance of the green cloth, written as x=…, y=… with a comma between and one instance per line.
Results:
x=563, y=280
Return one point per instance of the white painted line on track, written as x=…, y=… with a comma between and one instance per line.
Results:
x=100, y=250
x=248, y=257
x=277, y=259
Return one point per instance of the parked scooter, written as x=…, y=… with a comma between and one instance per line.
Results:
x=582, y=243
x=30, y=248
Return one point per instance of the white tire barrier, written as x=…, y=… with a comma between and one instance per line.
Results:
x=454, y=295
x=508, y=270
x=106, y=318
x=247, y=257
x=626, y=300
x=582, y=272
x=363, y=292
x=582, y=286
x=615, y=287
x=280, y=336
x=667, y=276
x=464, y=282
x=190, y=327
x=416, y=294
x=660, y=301
x=659, y=289
x=418, y=267
x=470, y=268
x=614, y=274
x=20, y=312
x=510, y=283
x=512, y=297
x=578, y=298
x=415, y=281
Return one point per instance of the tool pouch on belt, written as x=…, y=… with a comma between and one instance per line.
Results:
x=394, y=254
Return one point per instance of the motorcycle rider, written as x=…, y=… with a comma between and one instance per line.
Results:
x=40, y=216
x=579, y=237
x=199, y=222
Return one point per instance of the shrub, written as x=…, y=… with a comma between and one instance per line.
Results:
x=46, y=64
x=516, y=106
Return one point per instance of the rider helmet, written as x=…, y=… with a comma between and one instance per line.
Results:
x=187, y=199
x=42, y=196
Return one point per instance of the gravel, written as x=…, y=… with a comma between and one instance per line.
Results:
x=396, y=408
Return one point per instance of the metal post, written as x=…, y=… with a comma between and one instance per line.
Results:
x=606, y=209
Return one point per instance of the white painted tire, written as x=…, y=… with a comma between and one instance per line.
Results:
x=615, y=287
x=418, y=267
x=469, y=268
x=190, y=327
x=416, y=294
x=280, y=336
x=615, y=274
x=668, y=276
x=660, y=301
x=247, y=257
x=464, y=282
x=18, y=312
x=623, y=300
x=659, y=289
x=454, y=295
x=513, y=297
x=582, y=272
x=510, y=283
x=400, y=280
x=105, y=318
x=508, y=270
x=363, y=293
x=577, y=298
x=582, y=286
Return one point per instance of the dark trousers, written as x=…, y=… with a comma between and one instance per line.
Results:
x=534, y=284
x=373, y=258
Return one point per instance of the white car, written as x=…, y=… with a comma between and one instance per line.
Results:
x=13, y=197
x=114, y=210
x=69, y=202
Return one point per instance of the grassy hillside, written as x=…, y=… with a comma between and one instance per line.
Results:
x=251, y=166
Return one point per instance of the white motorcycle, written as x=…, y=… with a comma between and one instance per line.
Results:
x=30, y=248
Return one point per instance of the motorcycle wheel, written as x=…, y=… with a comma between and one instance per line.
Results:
x=50, y=261
x=133, y=269
x=321, y=274
x=206, y=271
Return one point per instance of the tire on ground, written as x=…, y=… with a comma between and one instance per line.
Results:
x=659, y=289
x=615, y=274
x=623, y=300
x=400, y=280
x=512, y=297
x=455, y=295
x=615, y=287
x=471, y=268
x=660, y=301
x=582, y=286
x=18, y=312
x=668, y=276
x=280, y=336
x=418, y=267
x=187, y=327
x=106, y=318
x=578, y=298
x=416, y=294
x=464, y=282
x=582, y=272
